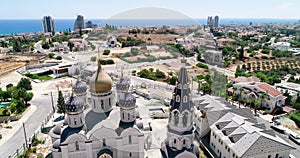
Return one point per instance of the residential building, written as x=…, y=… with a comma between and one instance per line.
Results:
x=254, y=90
x=224, y=42
x=282, y=46
x=90, y=24
x=213, y=57
x=232, y=132
x=48, y=25
x=79, y=23
x=112, y=41
x=180, y=134
x=98, y=129
x=292, y=88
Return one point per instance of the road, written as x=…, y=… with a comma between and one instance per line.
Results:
x=43, y=104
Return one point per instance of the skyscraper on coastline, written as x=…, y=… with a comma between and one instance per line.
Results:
x=213, y=22
x=79, y=23
x=48, y=24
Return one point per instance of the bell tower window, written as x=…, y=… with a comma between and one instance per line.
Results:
x=177, y=98
x=77, y=146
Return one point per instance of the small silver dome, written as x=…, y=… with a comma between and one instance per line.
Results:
x=79, y=87
x=127, y=99
x=123, y=84
x=74, y=105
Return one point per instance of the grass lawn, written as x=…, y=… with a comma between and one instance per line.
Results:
x=295, y=117
x=45, y=78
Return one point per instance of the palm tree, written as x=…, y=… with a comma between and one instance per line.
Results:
x=240, y=96
x=256, y=102
x=263, y=95
x=250, y=102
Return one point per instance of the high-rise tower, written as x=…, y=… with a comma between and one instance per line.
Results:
x=79, y=23
x=48, y=24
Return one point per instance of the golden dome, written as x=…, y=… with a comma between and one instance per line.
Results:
x=100, y=82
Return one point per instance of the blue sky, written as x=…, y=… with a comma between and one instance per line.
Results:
x=91, y=9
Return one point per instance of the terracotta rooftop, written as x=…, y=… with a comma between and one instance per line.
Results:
x=268, y=89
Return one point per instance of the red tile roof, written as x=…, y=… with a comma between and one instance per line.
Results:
x=268, y=89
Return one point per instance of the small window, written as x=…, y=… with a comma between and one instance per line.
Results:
x=77, y=146
x=183, y=142
x=128, y=116
x=80, y=120
x=130, y=154
x=233, y=155
x=269, y=156
x=94, y=103
x=102, y=104
x=129, y=137
x=103, y=142
x=185, y=99
x=75, y=122
x=109, y=102
x=174, y=141
x=177, y=98
x=123, y=115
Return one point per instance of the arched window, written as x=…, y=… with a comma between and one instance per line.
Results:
x=176, y=117
x=177, y=98
x=185, y=86
x=185, y=99
x=75, y=121
x=179, y=86
x=77, y=146
x=174, y=141
x=129, y=139
x=183, y=142
x=185, y=119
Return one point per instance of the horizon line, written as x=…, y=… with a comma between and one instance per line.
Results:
x=275, y=18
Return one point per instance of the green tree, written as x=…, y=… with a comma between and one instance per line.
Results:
x=70, y=45
x=24, y=83
x=28, y=97
x=61, y=103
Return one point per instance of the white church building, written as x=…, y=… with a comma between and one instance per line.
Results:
x=99, y=129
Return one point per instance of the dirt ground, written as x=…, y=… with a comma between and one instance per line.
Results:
x=12, y=62
x=155, y=38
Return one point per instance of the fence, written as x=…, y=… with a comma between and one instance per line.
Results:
x=41, y=129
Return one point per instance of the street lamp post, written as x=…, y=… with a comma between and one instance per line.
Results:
x=26, y=145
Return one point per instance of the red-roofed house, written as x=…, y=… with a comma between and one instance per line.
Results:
x=254, y=90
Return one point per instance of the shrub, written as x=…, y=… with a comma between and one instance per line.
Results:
x=33, y=150
x=58, y=58
x=202, y=65
x=106, y=52
x=93, y=58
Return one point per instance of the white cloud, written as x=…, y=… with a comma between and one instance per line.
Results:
x=285, y=6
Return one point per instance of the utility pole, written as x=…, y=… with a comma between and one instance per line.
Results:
x=25, y=135
x=52, y=102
